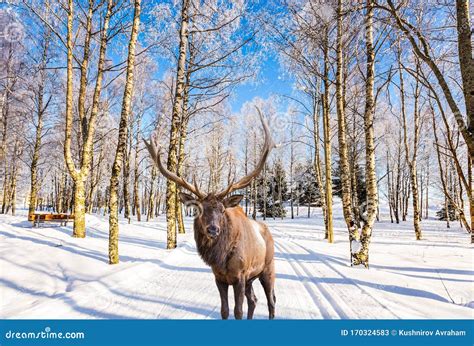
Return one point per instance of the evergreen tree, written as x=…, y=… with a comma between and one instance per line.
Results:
x=277, y=191
x=306, y=188
x=360, y=179
x=442, y=215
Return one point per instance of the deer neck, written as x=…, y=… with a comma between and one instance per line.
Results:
x=216, y=252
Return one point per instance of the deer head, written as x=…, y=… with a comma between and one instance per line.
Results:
x=212, y=205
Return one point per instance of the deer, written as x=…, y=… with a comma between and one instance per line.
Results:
x=238, y=250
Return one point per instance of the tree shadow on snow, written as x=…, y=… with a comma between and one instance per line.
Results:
x=97, y=233
x=63, y=246
x=60, y=296
x=312, y=257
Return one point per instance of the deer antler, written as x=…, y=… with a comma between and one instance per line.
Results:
x=267, y=147
x=155, y=151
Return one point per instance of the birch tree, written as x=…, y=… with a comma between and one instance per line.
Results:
x=42, y=102
x=361, y=256
x=122, y=137
x=342, y=139
x=172, y=162
x=411, y=150
x=79, y=175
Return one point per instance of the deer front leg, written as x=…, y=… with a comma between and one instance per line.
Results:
x=239, y=294
x=223, y=292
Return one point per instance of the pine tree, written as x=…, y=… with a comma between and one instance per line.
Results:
x=277, y=192
x=443, y=216
x=307, y=188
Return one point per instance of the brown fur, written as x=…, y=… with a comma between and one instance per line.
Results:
x=236, y=255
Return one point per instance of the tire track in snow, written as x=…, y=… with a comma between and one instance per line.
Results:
x=306, y=283
x=308, y=278
x=379, y=302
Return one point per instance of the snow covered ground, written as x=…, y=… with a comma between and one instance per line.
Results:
x=45, y=273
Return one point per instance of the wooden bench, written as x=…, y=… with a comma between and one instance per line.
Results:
x=38, y=218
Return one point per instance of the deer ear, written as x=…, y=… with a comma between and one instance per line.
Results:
x=186, y=197
x=232, y=201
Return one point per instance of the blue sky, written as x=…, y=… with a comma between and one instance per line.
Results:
x=270, y=81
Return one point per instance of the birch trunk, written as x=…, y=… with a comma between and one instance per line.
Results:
x=341, y=122
x=13, y=189
x=327, y=141
x=389, y=191
x=427, y=191
x=171, y=189
x=254, y=182
x=411, y=158
x=79, y=208
x=317, y=160
x=181, y=152
x=126, y=176
x=136, y=175
x=152, y=197
x=39, y=130
x=292, y=159
x=17, y=152
x=179, y=208
x=362, y=256
x=246, y=164
x=122, y=139
x=61, y=192
x=95, y=179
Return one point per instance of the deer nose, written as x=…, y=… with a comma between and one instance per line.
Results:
x=213, y=231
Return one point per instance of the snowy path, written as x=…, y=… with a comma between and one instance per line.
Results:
x=45, y=273
x=331, y=300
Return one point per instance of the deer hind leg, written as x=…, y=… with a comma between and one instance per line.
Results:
x=251, y=299
x=224, y=293
x=268, y=282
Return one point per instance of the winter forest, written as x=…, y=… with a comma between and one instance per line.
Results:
x=346, y=125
